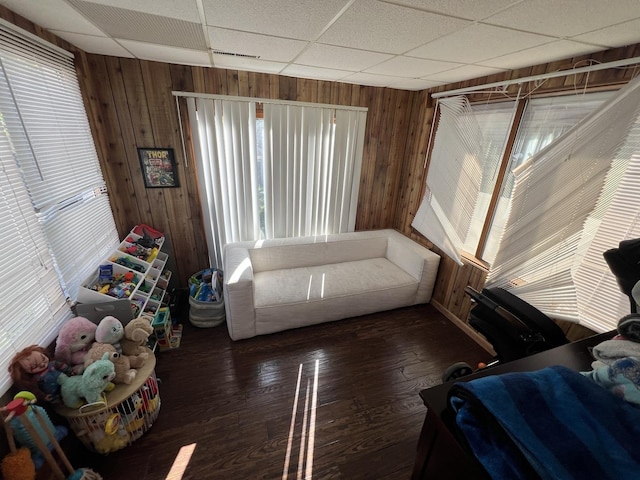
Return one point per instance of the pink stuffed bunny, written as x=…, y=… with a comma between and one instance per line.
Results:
x=74, y=341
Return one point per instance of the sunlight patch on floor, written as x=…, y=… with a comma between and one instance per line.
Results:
x=181, y=462
x=307, y=428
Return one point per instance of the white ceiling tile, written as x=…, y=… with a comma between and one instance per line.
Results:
x=411, y=67
x=550, y=52
x=464, y=73
x=386, y=28
x=299, y=19
x=248, y=64
x=142, y=26
x=470, y=9
x=183, y=9
x=478, y=42
x=93, y=44
x=53, y=14
x=566, y=18
x=414, y=84
x=617, y=36
x=162, y=53
x=329, y=56
x=336, y=39
x=314, y=72
x=264, y=46
x=362, y=78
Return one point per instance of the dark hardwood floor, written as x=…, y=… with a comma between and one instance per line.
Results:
x=232, y=403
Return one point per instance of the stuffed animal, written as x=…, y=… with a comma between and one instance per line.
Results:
x=110, y=330
x=90, y=385
x=124, y=372
x=74, y=340
x=136, y=334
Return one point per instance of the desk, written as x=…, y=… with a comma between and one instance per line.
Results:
x=439, y=455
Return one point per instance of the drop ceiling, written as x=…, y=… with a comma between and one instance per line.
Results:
x=405, y=44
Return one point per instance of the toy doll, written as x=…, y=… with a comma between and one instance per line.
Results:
x=31, y=370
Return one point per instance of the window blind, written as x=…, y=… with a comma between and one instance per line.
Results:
x=57, y=223
x=462, y=161
x=296, y=172
x=570, y=193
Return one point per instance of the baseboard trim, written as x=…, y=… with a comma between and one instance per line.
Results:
x=475, y=336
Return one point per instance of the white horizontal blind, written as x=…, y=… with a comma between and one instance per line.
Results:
x=560, y=197
x=454, y=178
x=55, y=221
x=58, y=159
x=600, y=301
x=54, y=148
x=31, y=300
x=544, y=120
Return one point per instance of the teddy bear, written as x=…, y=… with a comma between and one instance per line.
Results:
x=94, y=380
x=124, y=372
x=136, y=333
x=110, y=330
x=74, y=340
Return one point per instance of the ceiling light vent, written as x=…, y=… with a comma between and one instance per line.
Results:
x=232, y=54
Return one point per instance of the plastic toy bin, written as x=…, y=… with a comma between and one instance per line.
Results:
x=128, y=413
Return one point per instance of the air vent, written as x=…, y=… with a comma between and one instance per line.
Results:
x=517, y=282
x=232, y=54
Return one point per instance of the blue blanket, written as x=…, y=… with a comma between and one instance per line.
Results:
x=552, y=424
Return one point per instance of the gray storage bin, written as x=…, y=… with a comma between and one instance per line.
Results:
x=206, y=314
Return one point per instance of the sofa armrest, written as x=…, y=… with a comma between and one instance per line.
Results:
x=418, y=261
x=238, y=292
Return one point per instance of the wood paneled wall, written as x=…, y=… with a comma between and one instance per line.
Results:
x=130, y=105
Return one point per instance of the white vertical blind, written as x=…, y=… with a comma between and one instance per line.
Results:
x=312, y=162
x=224, y=134
x=560, y=198
x=305, y=183
x=55, y=221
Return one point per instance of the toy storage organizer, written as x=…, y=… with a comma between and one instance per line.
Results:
x=147, y=289
x=128, y=412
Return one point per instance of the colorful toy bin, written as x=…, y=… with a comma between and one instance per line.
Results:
x=206, y=302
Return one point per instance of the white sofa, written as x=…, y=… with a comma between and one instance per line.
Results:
x=278, y=284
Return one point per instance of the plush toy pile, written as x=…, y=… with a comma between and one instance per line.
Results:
x=88, y=360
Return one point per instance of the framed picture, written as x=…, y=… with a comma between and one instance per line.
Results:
x=158, y=167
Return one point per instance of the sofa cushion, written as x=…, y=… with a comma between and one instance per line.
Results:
x=291, y=255
x=304, y=296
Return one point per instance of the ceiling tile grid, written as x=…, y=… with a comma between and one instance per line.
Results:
x=406, y=44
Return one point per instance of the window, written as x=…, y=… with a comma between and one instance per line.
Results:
x=56, y=224
x=554, y=208
x=293, y=172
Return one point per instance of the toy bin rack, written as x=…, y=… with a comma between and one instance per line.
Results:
x=151, y=280
x=128, y=412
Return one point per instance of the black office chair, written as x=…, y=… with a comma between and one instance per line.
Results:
x=624, y=263
x=515, y=328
